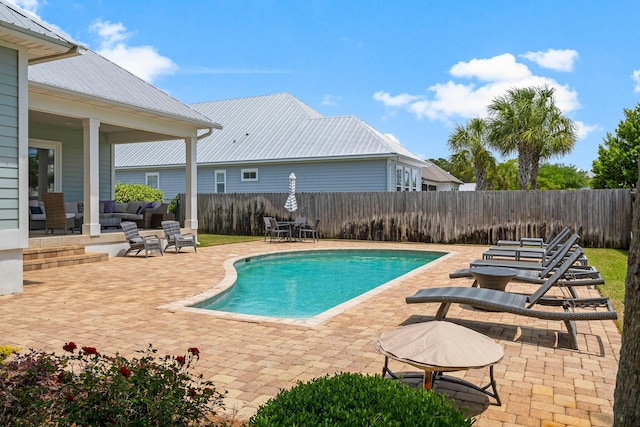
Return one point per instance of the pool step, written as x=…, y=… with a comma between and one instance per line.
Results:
x=58, y=256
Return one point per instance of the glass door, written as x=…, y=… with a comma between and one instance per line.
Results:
x=44, y=168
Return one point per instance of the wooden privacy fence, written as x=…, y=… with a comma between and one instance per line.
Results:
x=601, y=217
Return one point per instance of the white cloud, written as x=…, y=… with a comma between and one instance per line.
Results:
x=500, y=68
x=28, y=5
x=143, y=61
x=457, y=99
x=330, y=100
x=558, y=60
x=636, y=80
x=585, y=129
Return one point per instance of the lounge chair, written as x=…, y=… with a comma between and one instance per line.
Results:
x=137, y=242
x=279, y=230
x=522, y=304
x=175, y=238
x=533, y=241
x=538, y=265
x=527, y=252
x=575, y=276
x=56, y=215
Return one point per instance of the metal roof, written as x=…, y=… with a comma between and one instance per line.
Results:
x=91, y=75
x=436, y=174
x=267, y=128
x=43, y=41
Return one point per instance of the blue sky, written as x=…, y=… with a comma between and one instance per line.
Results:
x=411, y=69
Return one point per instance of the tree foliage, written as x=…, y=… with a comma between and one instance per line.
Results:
x=615, y=166
x=561, y=177
x=470, y=146
x=527, y=122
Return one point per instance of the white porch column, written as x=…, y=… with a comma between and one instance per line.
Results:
x=91, y=139
x=191, y=205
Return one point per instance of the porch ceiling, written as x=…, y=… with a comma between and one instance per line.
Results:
x=115, y=133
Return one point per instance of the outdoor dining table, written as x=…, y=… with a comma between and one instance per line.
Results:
x=292, y=229
x=438, y=346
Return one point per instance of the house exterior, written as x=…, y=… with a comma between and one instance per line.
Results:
x=62, y=109
x=434, y=178
x=23, y=41
x=264, y=140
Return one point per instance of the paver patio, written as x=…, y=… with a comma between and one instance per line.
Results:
x=113, y=306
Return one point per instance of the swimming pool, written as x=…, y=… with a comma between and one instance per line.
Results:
x=300, y=285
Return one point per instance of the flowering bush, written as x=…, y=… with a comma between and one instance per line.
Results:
x=89, y=388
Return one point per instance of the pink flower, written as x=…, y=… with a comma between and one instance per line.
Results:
x=70, y=397
x=193, y=392
x=90, y=350
x=180, y=360
x=70, y=346
x=194, y=351
x=125, y=371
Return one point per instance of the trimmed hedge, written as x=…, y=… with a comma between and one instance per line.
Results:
x=354, y=400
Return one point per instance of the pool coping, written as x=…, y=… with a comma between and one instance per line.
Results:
x=231, y=275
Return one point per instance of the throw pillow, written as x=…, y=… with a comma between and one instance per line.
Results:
x=140, y=210
x=35, y=210
x=109, y=205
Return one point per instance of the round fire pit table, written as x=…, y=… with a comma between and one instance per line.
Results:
x=438, y=346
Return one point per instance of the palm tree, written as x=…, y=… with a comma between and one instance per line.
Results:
x=526, y=121
x=469, y=144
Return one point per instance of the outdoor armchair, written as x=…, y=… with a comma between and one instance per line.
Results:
x=175, y=238
x=137, y=242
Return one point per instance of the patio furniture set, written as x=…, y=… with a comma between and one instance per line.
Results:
x=172, y=236
x=290, y=231
x=559, y=264
x=53, y=213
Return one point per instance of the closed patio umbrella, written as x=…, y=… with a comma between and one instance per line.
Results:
x=291, y=204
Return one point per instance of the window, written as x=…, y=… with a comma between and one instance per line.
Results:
x=407, y=179
x=249, y=175
x=414, y=179
x=152, y=179
x=221, y=181
x=398, y=178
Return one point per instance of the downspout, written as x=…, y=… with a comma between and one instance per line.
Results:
x=204, y=135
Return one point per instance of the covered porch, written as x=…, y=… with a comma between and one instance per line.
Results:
x=79, y=109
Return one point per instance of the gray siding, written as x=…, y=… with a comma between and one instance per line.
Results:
x=338, y=176
x=9, y=197
x=73, y=161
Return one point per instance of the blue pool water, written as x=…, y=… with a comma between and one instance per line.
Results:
x=300, y=285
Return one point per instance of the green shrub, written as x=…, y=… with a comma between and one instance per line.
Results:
x=173, y=205
x=357, y=400
x=6, y=351
x=87, y=388
x=125, y=193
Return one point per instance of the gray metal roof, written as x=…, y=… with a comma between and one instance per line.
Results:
x=24, y=29
x=95, y=76
x=275, y=127
x=436, y=174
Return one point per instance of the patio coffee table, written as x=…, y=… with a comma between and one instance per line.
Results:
x=492, y=277
x=437, y=347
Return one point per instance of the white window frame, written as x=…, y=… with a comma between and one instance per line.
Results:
x=147, y=175
x=399, y=178
x=414, y=179
x=56, y=146
x=248, y=171
x=223, y=172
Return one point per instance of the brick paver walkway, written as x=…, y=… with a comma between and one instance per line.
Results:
x=113, y=306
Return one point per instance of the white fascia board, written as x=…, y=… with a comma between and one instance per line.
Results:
x=56, y=94
x=129, y=118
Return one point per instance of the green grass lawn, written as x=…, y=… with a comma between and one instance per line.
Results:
x=218, y=239
x=612, y=264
